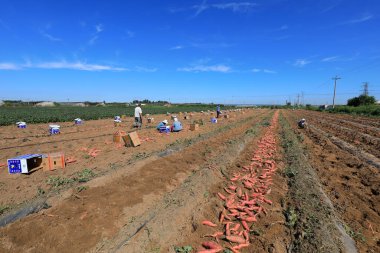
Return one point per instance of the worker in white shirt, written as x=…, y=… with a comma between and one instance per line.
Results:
x=138, y=116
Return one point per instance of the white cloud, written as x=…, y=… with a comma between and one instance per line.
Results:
x=130, y=34
x=95, y=36
x=363, y=18
x=266, y=71
x=143, y=69
x=49, y=36
x=301, y=62
x=234, y=6
x=77, y=66
x=61, y=65
x=176, y=47
x=330, y=59
x=8, y=66
x=99, y=28
x=204, y=68
x=92, y=40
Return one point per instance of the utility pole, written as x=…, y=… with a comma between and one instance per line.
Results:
x=335, y=79
x=298, y=100
x=365, y=88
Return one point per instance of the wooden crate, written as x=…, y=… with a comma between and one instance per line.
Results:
x=53, y=161
x=194, y=127
x=132, y=139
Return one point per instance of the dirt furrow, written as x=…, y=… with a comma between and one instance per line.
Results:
x=351, y=184
x=100, y=212
x=352, y=124
x=353, y=136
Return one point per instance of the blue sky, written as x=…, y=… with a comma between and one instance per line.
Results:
x=261, y=51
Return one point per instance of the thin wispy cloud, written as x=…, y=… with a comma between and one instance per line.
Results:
x=233, y=6
x=363, y=18
x=8, y=66
x=78, y=65
x=266, y=71
x=301, y=63
x=49, y=36
x=130, y=34
x=93, y=40
x=144, y=69
x=207, y=68
x=176, y=47
x=98, y=29
x=331, y=6
x=330, y=59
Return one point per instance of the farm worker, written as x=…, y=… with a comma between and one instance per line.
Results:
x=218, y=111
x=138, y=116
x=162, y=124
x=302, y=123
x=177, y=126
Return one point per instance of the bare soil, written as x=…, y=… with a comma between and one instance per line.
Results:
x=351, y=184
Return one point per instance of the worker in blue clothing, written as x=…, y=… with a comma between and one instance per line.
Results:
x=218, y=111
x=177, y=126
x=162, y=125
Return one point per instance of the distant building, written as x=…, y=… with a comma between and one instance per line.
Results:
x=1, y=102
x=45, y=104
x=323, y=107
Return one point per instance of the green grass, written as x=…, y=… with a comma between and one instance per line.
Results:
x=84, y=176
x=58, y=181
x=3, y=209
x=29, y=114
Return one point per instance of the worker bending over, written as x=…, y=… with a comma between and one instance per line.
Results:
x=177, y=126
x=302, y=123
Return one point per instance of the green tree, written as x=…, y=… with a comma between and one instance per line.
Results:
x=361, y=100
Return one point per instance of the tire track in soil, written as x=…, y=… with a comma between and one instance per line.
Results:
x=352, y=185
x=85, y=219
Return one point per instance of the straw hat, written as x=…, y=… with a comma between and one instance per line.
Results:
x=165, y=121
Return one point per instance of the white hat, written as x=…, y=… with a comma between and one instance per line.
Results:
x=303, y=119
x=165, y=121
x=175, y=119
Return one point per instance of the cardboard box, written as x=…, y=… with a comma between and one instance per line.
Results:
x=150, y=120
x=226, y=116
x=194, y=127
x=25, y=163
x=187, y=117
x=116, y=124
x=132, y=139
x=53, y=161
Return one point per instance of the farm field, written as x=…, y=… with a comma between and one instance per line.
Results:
x=9, y=115
x=253, y=182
